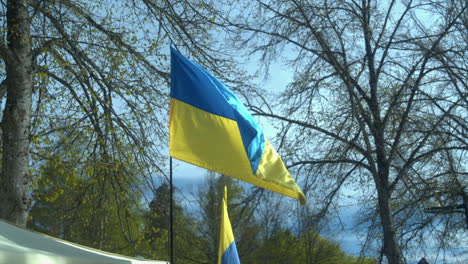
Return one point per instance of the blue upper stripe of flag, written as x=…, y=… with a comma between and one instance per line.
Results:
x=192, y=84
x=230, y=256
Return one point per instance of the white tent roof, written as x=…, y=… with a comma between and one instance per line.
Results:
x=18, y=245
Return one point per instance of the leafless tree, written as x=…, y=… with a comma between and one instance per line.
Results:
x=378, y=103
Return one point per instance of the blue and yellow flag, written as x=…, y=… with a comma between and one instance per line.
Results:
x=227, y=252
x=211, y=128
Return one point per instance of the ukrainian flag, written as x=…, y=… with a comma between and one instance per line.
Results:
x=211, y=128
x=227, y=252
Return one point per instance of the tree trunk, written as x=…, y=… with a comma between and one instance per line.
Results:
x=15, y=181
x=391, y=249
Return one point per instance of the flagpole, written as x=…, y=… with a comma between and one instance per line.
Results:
x=171, y=212
x=171, y=209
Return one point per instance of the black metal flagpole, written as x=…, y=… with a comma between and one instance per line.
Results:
x=171, y=209
x=171, y=212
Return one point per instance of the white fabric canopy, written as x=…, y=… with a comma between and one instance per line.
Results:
x=21, y=246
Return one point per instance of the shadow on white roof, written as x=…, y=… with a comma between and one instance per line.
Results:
x=22, y=246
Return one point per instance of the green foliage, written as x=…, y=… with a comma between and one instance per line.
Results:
x=284, y=247
x=87, y=210
x=156, y=231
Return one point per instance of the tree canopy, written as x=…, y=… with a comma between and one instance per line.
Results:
x=377, y=104
x=96, y=70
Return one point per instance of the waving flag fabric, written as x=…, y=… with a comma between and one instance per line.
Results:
x=211, y=128
x=227, y=253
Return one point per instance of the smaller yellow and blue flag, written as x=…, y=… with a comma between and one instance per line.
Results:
x=227, y=253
